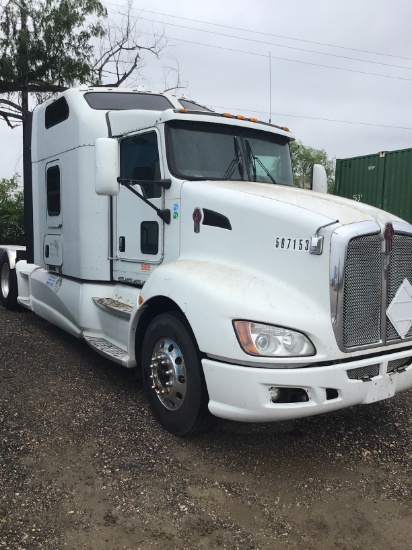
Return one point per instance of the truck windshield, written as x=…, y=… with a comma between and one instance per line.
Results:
x=223, y=152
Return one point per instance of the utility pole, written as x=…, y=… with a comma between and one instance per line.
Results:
x=27, y=125
x=24, y=54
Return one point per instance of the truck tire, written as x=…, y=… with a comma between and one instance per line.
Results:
x=8, y=282
x=173, y=376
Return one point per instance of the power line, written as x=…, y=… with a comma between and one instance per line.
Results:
x=313, y=118
x=277, y=45
x=287, y=59
x=243, y=29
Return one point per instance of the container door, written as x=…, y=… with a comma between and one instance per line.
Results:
x=138, y=235
x=361, y=179
x=398, y=189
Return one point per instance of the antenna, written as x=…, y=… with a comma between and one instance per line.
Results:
x=270, y=88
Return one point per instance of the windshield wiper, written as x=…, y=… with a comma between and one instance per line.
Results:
x=236, y=162
x=251, y=157
x=254, y=159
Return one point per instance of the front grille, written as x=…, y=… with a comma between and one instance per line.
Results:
x=362, y=301
x=397, y=363
x=400, y=267
x=363, y=373
x=367, y=269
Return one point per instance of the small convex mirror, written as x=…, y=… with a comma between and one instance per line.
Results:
x=319, y=181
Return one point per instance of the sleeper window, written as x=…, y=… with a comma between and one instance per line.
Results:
x=53, y=191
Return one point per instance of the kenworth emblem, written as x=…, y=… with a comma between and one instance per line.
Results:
x=388, y=234
x=197, y=218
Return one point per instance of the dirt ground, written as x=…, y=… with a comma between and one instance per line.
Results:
x=84, y=466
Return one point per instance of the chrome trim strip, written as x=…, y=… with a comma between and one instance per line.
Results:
x=402, y=228
x=114, y=307
x=338, y=245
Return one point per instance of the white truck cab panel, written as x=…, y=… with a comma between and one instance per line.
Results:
x=171, y=238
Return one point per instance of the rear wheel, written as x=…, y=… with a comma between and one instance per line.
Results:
x=8, y=282
x=173, y=376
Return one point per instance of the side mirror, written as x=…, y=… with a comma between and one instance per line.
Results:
x=319, y=180
x=106, y=166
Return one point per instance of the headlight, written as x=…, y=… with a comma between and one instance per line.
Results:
x=271, y=341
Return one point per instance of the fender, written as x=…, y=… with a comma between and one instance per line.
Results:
x=212, y=295
x=11, y=251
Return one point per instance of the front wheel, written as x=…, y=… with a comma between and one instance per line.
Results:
x=173, y=376
x=8, y=282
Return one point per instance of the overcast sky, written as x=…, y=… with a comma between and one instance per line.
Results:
x=341, y=71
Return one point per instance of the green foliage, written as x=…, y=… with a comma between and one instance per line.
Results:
x=303, y=158
x=11, y=212
x=47, y=46
x=55, y=48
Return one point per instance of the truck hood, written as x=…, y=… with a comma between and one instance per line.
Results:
x=328, y=207
x=243, y=217
x=248, y=244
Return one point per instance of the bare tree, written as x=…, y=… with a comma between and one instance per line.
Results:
x=49, y=45
x=173, y=72
x=119, y=54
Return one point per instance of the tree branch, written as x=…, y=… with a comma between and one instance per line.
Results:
x=11, y=104
x=5, y=115
x=33, y=87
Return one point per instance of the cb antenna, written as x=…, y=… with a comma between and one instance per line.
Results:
x=270, y=88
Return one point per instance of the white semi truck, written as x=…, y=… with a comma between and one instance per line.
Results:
x=172, y=240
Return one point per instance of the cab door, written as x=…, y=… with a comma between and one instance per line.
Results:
x=53, y=239
x=138, y=231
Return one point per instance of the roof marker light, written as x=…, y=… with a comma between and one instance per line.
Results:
x=228, y=115
x=285, y=128
x=253, y=119
x=241, y=117
x=182, y=110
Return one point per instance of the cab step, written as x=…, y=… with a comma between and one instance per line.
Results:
x=25, y=302
x=107, y=349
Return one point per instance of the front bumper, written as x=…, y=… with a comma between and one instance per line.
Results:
x=242, y=393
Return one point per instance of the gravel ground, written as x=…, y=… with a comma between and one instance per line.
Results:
x=84, y=466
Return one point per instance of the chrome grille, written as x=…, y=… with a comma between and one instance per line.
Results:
x=362, y=301
x=400, y=267
x=363, y=373
x=392, y=365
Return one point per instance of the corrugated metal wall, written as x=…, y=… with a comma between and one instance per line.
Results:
x=383, y=180
x=398, y=184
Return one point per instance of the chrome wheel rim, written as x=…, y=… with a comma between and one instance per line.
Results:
x=168, y=374
x=5, y=280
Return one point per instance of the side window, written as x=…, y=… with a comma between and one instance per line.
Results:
x=56, y=112
x=139, y=160
x=149, y=237
x=53, y=191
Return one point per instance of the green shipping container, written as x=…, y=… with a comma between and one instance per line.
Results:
x=383, y=180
